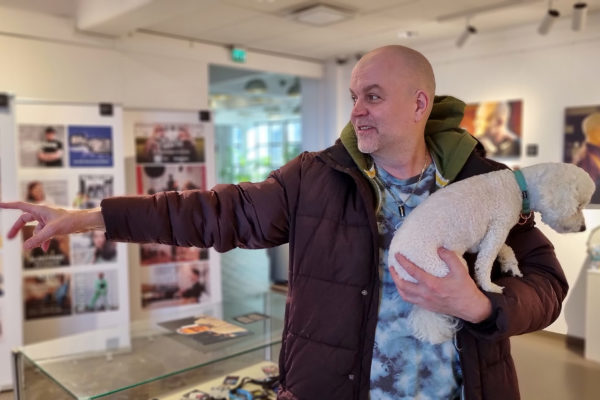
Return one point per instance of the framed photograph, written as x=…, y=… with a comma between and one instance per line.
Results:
x=41, y=146
x=90, y=146
x=497, y=125
x=160, y=178
x=47, y=295
x=45, y=191
x=91, y=189
x=174, y=285
x=582, y=142
x=95, y=291
x=92, y=248
x=160, y=143
x=57, y=255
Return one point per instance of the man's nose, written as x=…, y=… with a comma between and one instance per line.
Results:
x=358, y=109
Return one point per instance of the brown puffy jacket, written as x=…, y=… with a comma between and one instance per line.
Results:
x=325, y=207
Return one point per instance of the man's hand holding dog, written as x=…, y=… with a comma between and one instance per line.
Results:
x=455, y=294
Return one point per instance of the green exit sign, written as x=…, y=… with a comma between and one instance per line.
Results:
x=238, y=55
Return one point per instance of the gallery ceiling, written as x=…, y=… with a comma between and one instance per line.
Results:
x=275, y=25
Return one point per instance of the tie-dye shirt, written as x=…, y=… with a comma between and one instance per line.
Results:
x=404, y=367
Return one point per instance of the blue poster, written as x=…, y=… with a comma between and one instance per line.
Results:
x=90, y=146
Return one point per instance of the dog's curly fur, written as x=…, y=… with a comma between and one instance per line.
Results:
x=475, y=215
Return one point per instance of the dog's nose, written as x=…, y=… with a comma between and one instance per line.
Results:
x=582, y=228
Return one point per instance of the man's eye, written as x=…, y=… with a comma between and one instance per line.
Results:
x=373, y=97
x=353, y=99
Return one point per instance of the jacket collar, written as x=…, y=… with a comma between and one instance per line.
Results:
x=448, y=144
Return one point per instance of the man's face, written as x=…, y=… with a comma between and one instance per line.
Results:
x=383, y=105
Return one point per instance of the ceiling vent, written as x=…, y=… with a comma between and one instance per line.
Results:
x=320, y=14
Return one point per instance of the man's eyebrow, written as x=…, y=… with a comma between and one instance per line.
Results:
x=368, y=88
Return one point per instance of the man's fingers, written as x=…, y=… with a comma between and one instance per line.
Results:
x=452, y=260
x=417, y=273
x=19, y=205
x=20, y=223
x=40, y=239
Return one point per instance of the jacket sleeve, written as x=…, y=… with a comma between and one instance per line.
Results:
x=531, y=302
x=248, y=215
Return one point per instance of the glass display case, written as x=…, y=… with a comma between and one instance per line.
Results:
x=152, y=358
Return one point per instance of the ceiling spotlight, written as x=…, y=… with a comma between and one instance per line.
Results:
x=256, y=86
x=469, y=30
x=551, y=16
x=579, y=16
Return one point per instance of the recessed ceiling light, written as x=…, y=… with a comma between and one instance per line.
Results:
x=407, y=34
x=320, y=14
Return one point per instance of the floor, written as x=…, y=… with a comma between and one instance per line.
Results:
x=548, y=369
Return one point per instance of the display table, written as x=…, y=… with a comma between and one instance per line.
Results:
x=592, y=316
x=149, y=359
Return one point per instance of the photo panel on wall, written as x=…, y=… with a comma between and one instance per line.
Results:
x=497, y=125
x=175, y=284
x=582, y=142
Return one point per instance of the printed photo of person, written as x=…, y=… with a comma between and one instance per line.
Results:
x=497, y=125
x=48, y=192
x=92, y=248
x=47, y=295
x=57, y=254
x=159, y=143
x=582, y=142
x=41, y=146
x=174, y=285
x=161, y=178
x=96, y=291
x=91, y=190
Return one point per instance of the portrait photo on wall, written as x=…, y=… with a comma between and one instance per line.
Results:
x=90, y=146
x=47, y=191
x=169, y=143
x=582, y=142
x=497, y=125
x=47, y=295
x=91, y=189
x=159, y=178
x=92, y=248
x=95, y=291
x=174, y=285
x=41, y=146
x=57, y=254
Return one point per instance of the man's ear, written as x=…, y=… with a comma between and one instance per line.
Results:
x=422, y=105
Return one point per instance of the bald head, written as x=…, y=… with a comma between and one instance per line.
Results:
x=392, y=89
x=408, y=64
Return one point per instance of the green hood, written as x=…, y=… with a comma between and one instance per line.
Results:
x=448, y=144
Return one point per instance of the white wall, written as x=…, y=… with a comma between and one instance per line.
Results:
x=46, y=58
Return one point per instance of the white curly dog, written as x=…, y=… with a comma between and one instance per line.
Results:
x=475, y=215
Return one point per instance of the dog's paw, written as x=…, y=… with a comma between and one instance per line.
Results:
x=492, y=287
x=512, y=268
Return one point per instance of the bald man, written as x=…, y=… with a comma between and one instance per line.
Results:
x=345, y=335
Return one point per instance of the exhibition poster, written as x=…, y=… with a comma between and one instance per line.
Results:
x=68, y=156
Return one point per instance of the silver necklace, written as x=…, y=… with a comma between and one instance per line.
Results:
x=399, y=202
